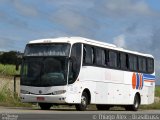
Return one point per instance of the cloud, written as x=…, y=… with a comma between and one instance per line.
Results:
x=25, y=9
x=157, y=69
x=85, y=4
x=155, y=48
x=133, y=21
x=155, y=37
x=132, y=28
x=74, y=22
x=145, y=39
x=123, y=8
x=120, y=41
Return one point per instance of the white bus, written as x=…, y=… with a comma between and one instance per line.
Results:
x=79, y=71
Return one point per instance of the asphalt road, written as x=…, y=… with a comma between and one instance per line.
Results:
x=12, y=113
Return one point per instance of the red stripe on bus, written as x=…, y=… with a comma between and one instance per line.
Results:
x=134, y=81
x=149, y=80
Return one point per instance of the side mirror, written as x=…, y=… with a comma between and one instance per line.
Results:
x=18, y=62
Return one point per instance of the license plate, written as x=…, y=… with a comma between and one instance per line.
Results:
x=40, y=98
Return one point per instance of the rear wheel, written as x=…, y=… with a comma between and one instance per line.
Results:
x=84, y=102
x=45, y=106
x=103, y=107
x=135, y=105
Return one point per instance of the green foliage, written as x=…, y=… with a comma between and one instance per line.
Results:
x=11, y=57
x=8, y=98
x=152, y=106
x=8, y=70
x=157, y=91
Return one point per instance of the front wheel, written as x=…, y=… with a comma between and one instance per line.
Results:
x=84, y=102
x=45, y=106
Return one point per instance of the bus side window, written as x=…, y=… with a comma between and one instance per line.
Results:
x=100, y=57
x=106, y=57
x=84, y=54
x=88, y=55
x=142, y=64
x=127, y=61
x=118, y=60
x=133, y=63
x=150, y=65
x=93, y=55
x=75, y=62
x=113, y=59
x=123, y=61
x=103, y=58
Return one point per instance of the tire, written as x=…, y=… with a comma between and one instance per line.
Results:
x=45, y=106
x=84, y=102
x=103, y=107
x=135, y=105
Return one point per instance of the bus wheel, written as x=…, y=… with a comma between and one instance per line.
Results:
x=135, y=105
x=84, y=102
x=45, y=106
x=103, y=107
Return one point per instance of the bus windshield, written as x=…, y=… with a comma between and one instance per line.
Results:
x=44, y=71
x=52, y=49
x=49, y=64
x=45, y=64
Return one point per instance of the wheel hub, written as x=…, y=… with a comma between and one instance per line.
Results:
x=83, y=101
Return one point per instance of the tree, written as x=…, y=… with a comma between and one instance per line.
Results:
x=9, y=58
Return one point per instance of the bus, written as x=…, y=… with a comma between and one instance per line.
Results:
x=80, y=71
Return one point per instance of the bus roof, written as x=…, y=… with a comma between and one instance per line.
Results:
x=73, y=40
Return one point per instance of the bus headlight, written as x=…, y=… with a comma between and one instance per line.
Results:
x=25, y=92
x=58, y=92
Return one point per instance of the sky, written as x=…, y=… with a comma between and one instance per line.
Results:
x=131, y=24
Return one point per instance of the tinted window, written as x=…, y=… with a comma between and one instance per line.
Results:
x=117, y=60
x=142, y=64
x=150, y=65
x=88, y=54
x=112, y=59
x=100, y=56
x=57, y=49
x=103, y=58
x=123, y=61
x=133, y=62
x=44, y=72
x=75, y=62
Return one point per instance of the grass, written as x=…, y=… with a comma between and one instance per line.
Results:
x=157, y=91
x=8, y=70
x=152, y=106
x=8, y=98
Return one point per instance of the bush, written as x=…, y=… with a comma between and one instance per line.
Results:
x=157, y=91
x=11, y=57
x=8, y=70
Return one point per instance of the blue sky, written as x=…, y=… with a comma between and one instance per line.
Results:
x=132, y=24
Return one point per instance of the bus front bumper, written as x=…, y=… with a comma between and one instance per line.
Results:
x=30, y=98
